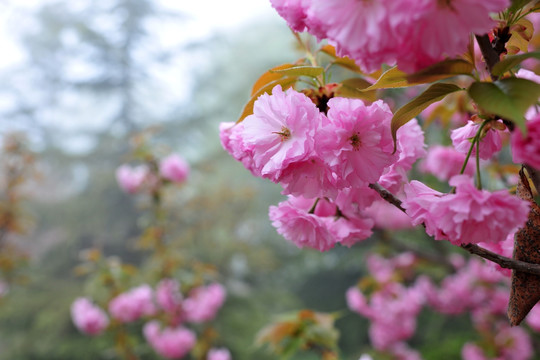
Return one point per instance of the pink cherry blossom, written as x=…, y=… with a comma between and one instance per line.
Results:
x=444, y=162
x=468, y=216
x=310, y=178
x=280, y=131
x=410, y=144
x=350, y=230
x=472, y=351
x=321, y=228
x=218, y=354
x=132, y=305
x=293, y=11
x=230, y=135
x=514, y=343
x=436, y=20
x=293, y=221
x=490, y=141
x=174, y=168
x=356, y=301
x=171, y=343
x=357, y=144
x=87, y=317
x=204, y=302
x=168, y=295
x=393, y=315
x=526, y=149
x=130, y=179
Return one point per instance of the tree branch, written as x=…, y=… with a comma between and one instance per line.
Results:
x=488, y=52
x=502, y=261
x=387, y=196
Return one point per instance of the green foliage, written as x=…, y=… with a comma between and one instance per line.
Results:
x=511, y=61
x=434, y=93
x=509, y=98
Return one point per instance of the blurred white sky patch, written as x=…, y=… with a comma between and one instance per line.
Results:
x=205, y=18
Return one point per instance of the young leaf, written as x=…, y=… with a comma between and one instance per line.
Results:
x=508, y=98
x=345, y=62
x=311, y=71
x=285, y=83
x=441, y=70
x=511, y=61
x=408, y=111
x=352, y=88
x=269, y=76
x=391, y=78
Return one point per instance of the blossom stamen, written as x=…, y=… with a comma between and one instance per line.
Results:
x=355, y=141
x=284, y=134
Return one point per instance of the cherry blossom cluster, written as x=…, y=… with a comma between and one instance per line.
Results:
x=165, y=311
x=133, y=179
x=326, y=161
x=392, y=303
x=407, y=33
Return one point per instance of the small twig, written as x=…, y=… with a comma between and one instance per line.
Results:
x=502, y=261
x=387, y=196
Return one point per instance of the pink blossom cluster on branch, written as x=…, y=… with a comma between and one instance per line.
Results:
x=325, y=162
x=172, y=168
x=165, y=311
x=407, y=33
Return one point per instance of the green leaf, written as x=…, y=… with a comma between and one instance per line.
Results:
x=269, y=76
x=345, y=62
x=311, y=71
x=508, y=98
x=391, y=78
x=504, y=65
x=518, y=4
x=442, y=70
x=285, y=83
x=352, y=88
x=408, y=111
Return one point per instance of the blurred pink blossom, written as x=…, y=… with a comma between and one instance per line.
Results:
x=526, y=149
x=444, y=162
x=174, y=168
x=168, y=295
x=219, y=354
x=204, y=302
x=130, y=179
x=132, y=305
x=171, y=343
x=87, y=317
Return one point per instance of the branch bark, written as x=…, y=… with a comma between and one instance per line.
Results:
x=490, y=55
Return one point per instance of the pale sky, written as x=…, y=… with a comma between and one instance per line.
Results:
x=208, y=17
